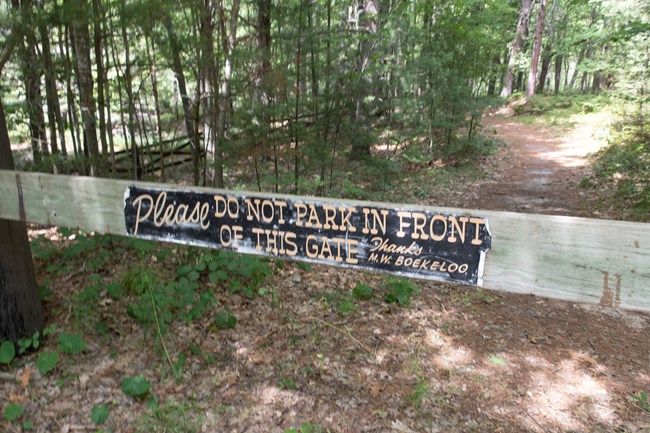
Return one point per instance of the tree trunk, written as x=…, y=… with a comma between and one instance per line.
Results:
x=208, y=71
x=73, y=119
x=328, y=99
x=546, y=63
x=30, y=67
x=86, y=95
x=492, y=83
x=360, y=143
x=21, y=314
x=109, y=121
x=581, y=57
x=296, y=126
x=128, y=86
x=98, y=14
x=261, y=86
x=53, y=107
x=517, y=45
x=229, y=40
x=595, y=84
x=558, y=74
x=156, y=102
x=537, y=48
x=177, y=67
x=262, y=74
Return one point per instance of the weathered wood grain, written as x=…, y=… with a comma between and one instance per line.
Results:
x=576, y=259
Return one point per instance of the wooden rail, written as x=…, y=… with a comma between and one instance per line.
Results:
x=575, y=259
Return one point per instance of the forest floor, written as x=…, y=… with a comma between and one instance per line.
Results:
x=307, y=353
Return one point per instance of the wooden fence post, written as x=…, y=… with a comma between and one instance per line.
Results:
x=21, y=313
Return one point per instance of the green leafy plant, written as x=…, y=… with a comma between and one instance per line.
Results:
x=421, y=390
x=399, y=290
x=307, y=427
x=99, y=414
x=161, y=304
x=363, y=291
x=71, y=343
x=136, y=386
x=341, y=302
x=47, y=361
x=642, y=399
x=170, y=416
x=33, y=342
x=286, y=382
x=224, y=320
x=42, y=248
x=304, y=266
x=7, y=352
x=13, y=411
x=484, y=296
x=496, y=360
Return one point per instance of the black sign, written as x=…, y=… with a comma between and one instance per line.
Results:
x=416, y=243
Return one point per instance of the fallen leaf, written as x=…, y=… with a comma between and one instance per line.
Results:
x=23, y=378
x=17, y=398
x=375, y=390
x=83, y=379
x=591, y=362
x=401, y=427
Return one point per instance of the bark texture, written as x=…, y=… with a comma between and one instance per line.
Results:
x=537, y=48
x=522, y=25
x=21, y=313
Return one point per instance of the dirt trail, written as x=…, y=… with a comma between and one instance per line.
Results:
x=541, y=168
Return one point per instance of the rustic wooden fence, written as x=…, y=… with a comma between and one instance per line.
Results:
x=154, y=157
x=575, y=259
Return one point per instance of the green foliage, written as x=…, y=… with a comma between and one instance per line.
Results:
x=558, y=110
x=399, y=290
x=307, y=427
x=339, y=301
x=287, y=382
x=42, y=248
x=47, y=361
x=642, y=399
x=83, y=245
x=362, y=291
x=243, y=273
x=463, y=149
x=421, y=391
x=170, y=416
x=33, y=342
x=482, y=295
x=626, y=164
x=496, y=360
x=13, y=411
x=99, y=414
x=224, y=320
x=71, y=343
x=304, y=266
x=7, y=352
x=136, y=386
x=180, y=299
x=136, y=280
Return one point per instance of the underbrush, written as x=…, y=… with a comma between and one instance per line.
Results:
x=562, y=106
x=625, y=166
